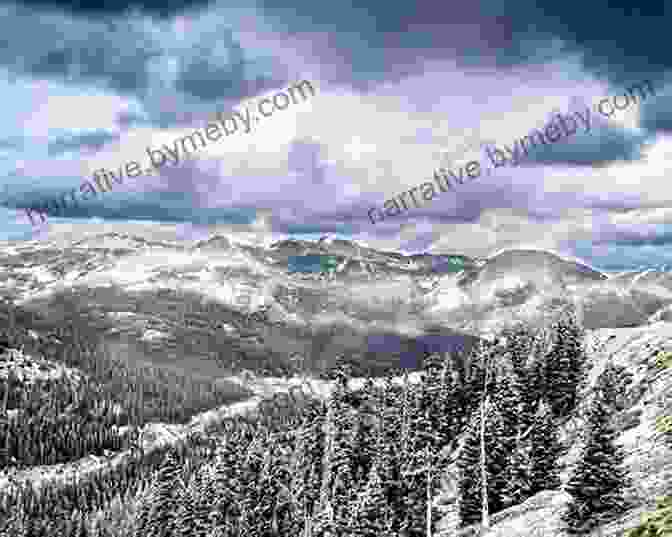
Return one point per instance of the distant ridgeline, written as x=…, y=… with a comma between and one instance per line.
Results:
x=312, y=263
x=325, y=263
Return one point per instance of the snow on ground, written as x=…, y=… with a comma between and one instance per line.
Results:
x=28, y=368
x=39, y=272
x=448, y=297
x=151, y=335
x=154, y=435
x=145, y=269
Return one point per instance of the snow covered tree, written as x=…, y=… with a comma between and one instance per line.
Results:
x=343, y=484
x=371, y=513
x=300, y=467
x=251, y=465
x=522, y=343
x=598, y=480
x=193, y=512
x=533, y=465
x=365, y=438
x=324, y=524
x=226, y=489
x=469, y=465
x=508, y=397
x=613, y=382
x=163, y=499
x=565, y=366
x=520, y=340
x=388, y=453
x=545, y=451
x=419, y=470
x=338, y=484
x=436, y=399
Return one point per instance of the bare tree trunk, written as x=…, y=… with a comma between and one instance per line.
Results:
x=308, y=527
x=429, y=495
x=485, y=516
x=6, y=397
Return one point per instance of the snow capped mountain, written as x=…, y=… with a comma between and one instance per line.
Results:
x=458, y=292
x=217, y=308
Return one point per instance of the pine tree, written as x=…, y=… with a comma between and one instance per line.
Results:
x=15, y=525
x=469, y=465
x=449, y=401
x=273, y=492
x=565, y=366
x=521, y=347
x=508, y=397
x=226, y=489
x=281, y=478
x=315, y=452
x=520, y=341
x=324, y=523
x=141, y=516
x=420, y=466
x=370, y=512
x=299, y=470
x=435, y=400
x=516, y=426
x=193, y=512
x=185, y=524
x=545, y=451
x=613, y=383
x=338, y=485
x=163, y=499
x=390, y=460
x=364, y=451
x=251, y=467
x=518, y=487
x=598, y=480
x=343, y=484
x=533, y=465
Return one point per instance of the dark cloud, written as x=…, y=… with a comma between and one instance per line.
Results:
x=159, y=8
x=90, y=140
x=657, y=115
x=51, y=45
x=160, y=206
x=387, y=41
x=206, y=77
x=618, y=40
x=608, y=145
x=136, y=57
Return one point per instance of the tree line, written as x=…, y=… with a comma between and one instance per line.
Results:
x=370, y=462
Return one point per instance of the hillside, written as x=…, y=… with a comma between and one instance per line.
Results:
x=137, y=349
x=648, y=451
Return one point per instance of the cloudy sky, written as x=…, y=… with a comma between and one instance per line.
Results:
x=396, y=84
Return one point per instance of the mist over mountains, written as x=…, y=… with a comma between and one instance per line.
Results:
x=149, y=294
